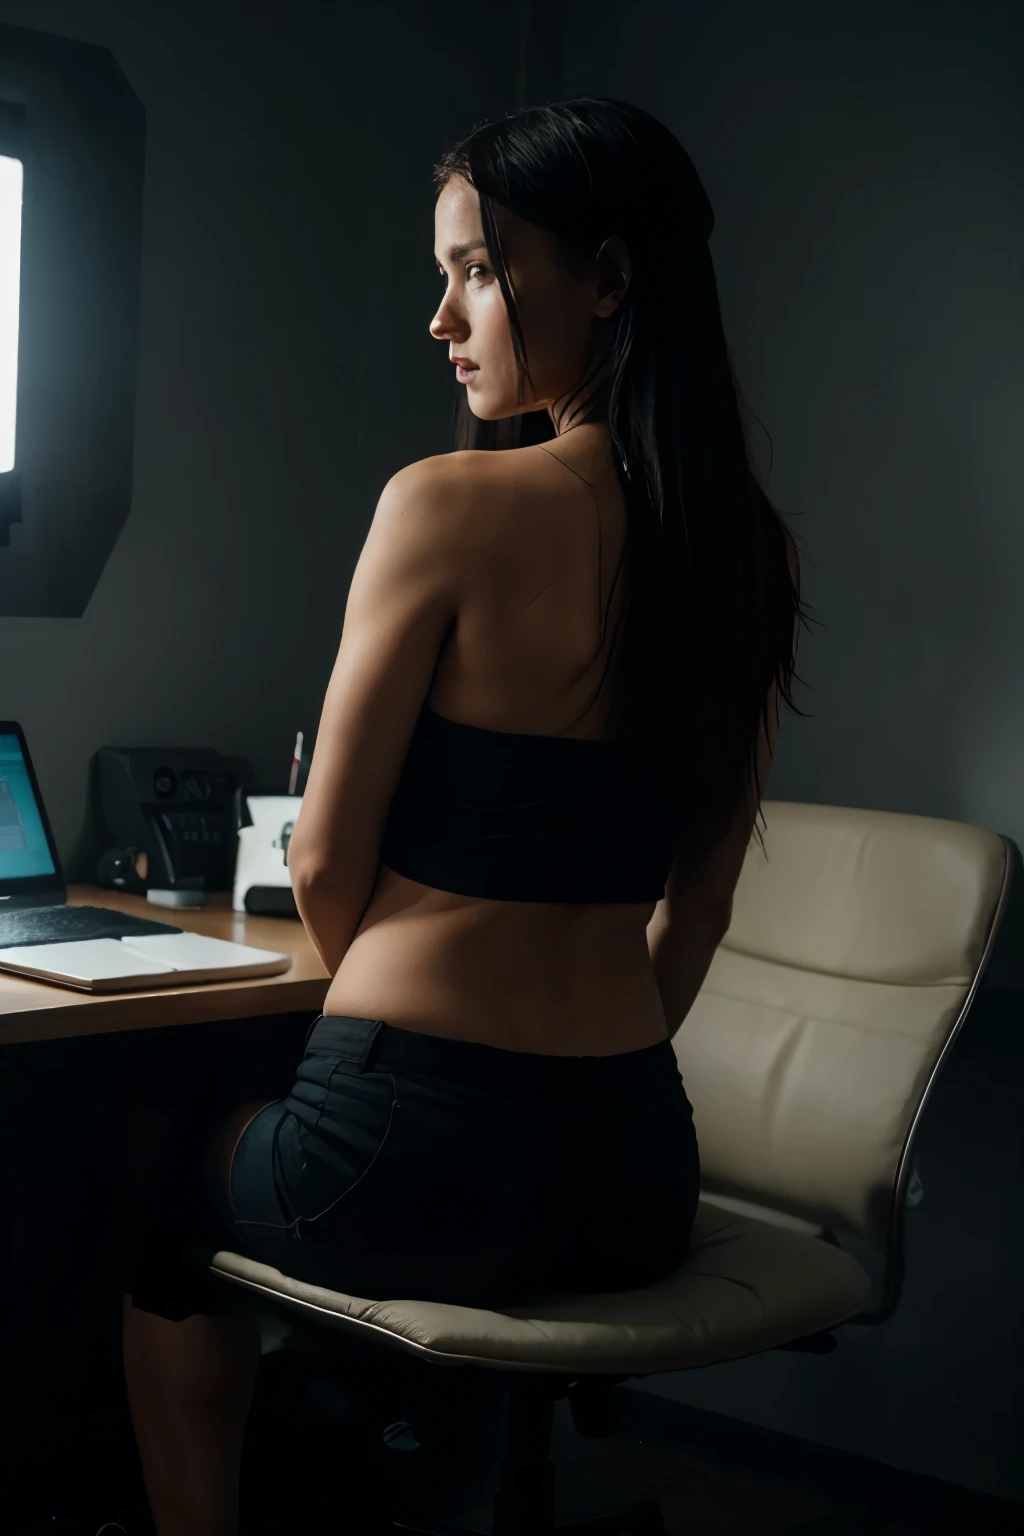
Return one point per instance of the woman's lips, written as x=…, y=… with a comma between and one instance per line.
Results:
x=465, y=371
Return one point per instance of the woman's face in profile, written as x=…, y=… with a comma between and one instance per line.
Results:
x=556, y=308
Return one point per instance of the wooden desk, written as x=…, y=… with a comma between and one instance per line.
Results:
x=35, y=1010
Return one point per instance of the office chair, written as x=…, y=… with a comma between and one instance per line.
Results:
x=851, y=962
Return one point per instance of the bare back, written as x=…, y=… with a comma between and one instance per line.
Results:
x=526, y=655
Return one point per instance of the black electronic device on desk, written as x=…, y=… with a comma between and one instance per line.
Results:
x=167, y=815
x=33, y=895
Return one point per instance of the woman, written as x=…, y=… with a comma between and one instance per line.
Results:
x=537, y=771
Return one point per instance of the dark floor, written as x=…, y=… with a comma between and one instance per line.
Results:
x=311, y=1454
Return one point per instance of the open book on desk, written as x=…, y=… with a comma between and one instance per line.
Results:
x=137, y=963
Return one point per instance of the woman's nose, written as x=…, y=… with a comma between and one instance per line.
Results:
x=447, y=325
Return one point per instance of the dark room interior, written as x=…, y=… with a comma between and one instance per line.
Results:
x=220, y=238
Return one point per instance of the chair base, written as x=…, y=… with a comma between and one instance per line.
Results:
x=639, y=1520
x=524, y=1500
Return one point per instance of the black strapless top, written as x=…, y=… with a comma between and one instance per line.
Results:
x=527, y=818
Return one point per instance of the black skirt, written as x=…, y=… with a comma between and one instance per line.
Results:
x=404, y=1165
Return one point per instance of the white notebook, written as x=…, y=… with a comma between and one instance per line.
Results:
x=137, y=963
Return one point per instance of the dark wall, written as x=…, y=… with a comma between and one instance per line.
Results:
x=285, y=368
x=865, y=163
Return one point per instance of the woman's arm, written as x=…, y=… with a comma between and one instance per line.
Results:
x=681, y=962
x=330, y=908
x=402, y=603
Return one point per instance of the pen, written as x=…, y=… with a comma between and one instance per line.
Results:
x=296, y=755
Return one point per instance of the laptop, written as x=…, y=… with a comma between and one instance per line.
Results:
x=94, y=949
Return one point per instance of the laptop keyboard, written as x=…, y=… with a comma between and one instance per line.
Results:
x=59, y=925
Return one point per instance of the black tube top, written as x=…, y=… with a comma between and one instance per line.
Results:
x=527, y=818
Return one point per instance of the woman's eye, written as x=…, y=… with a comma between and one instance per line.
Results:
x=474, y=267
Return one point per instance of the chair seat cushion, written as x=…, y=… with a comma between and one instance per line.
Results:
x=747, y=1286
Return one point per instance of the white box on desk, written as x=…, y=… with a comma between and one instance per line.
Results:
x=261, y=847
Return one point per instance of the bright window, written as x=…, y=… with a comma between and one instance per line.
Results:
x=10, y=301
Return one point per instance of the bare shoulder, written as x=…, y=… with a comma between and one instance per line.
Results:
x=474, y=477
x=444, y=510
x=462, y=497
x=445, y=479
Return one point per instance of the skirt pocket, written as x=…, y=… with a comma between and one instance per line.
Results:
x=336, y=1126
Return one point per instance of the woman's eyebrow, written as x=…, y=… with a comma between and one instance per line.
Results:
x=457, y=252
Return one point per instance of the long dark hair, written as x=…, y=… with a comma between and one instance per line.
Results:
x=710, y=610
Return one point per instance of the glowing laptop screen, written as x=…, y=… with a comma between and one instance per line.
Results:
x=24, y=853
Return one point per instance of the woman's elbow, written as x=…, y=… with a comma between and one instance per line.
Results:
x=306, y=869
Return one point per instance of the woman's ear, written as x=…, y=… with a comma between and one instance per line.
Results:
x=614, y=271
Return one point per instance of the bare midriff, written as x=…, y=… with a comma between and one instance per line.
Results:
x=544, y=977
x=552, y=978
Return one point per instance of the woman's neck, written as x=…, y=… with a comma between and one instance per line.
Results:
x=590, y=414
x=569, y=413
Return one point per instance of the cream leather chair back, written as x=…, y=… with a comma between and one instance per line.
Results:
x=853, y=954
